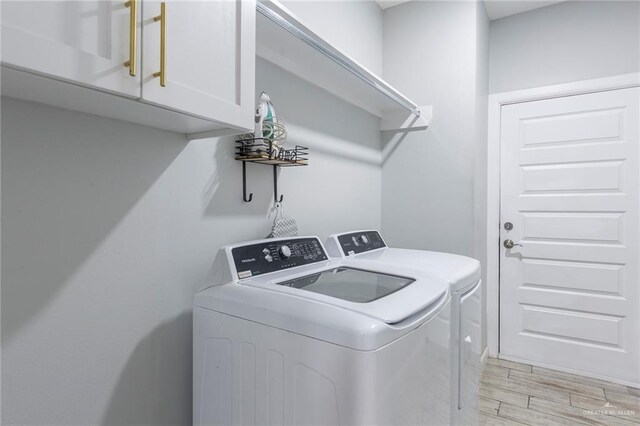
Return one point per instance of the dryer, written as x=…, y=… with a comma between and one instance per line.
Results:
x=364, y=249
x=285, y=335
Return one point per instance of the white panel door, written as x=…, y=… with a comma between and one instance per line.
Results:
x=209, y=62
x=569, y=297
x=84, y=42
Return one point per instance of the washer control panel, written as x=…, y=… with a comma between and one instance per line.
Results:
x=276, y=255
x=360, y=242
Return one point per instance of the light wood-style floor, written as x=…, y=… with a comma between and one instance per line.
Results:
x=515, y=394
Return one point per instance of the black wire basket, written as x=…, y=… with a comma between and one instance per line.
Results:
x=263, y=150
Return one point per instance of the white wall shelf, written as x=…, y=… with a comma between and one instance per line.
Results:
x=283, y=39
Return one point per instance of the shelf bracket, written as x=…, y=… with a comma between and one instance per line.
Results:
x=275, y=186
x=244, y=184
x=400, y=120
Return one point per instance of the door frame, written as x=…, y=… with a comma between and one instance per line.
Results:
x=496, y=102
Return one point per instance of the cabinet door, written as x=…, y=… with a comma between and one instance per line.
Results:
x=84, y=42
x=209, y=62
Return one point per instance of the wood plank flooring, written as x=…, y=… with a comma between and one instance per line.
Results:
x=519, y=394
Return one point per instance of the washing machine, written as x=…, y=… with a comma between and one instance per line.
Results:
x=285, y=335
x=363, y=249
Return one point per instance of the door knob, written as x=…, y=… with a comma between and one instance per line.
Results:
x=510, y=244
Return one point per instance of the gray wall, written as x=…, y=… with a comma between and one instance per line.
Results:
x=431, y=52
x=109, y=228
x=480, y=159
x=355, y=27
x=565, y=42
x=433, y=182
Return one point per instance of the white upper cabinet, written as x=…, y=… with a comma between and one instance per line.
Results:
x=209, y=58
x=70, y=48
x=84, y=42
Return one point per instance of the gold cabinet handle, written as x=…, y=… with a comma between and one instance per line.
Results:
x=163, y=44
x=133, y=36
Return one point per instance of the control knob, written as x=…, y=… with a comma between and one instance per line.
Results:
x=363, y=239
x=285, y=251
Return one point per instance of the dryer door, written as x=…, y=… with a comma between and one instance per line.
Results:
x=470, y=356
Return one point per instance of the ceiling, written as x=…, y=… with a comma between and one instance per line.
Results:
x=385, y=4
x=496, y=9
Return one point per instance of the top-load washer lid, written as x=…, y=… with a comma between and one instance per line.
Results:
x=360, y=308
x=353, y=285
x=365, y=248
x=387, y=294
x=460, y=272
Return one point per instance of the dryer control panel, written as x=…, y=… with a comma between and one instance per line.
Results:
x=276, y=255
x=360, y=242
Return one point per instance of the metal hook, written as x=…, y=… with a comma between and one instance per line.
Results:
x=244, y=184
x=275, y=186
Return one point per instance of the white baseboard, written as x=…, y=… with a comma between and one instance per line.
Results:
x=484, y=357
x=571, y=371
